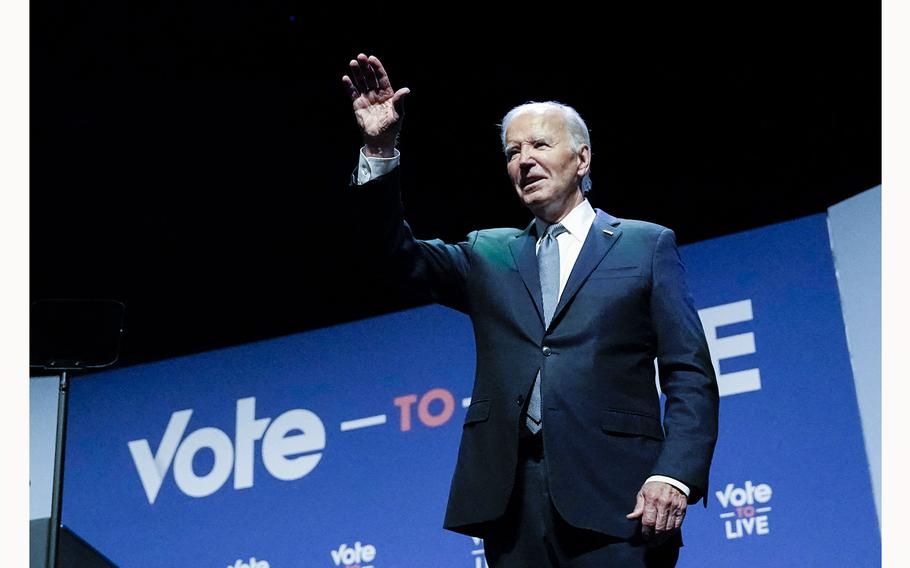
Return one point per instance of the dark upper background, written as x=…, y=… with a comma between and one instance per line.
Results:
x=191, y=159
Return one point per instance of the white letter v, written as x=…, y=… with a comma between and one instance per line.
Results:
x=153, y=469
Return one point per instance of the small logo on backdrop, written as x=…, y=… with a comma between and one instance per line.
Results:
x=746, y=509
x=477, y=554
x=357, y=556
x=253, y=563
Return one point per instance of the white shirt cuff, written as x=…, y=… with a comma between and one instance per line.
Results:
x=370, y=168
x=677, y=484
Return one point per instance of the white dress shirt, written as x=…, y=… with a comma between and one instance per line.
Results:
x=577, y=223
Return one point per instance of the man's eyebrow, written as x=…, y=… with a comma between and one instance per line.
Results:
x=529, y=140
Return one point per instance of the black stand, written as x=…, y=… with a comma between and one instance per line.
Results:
x=71, y=335
x=53, y=536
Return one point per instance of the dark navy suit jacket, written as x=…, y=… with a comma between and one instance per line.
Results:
x=625, y=304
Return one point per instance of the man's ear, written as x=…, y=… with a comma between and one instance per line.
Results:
x=584, y=160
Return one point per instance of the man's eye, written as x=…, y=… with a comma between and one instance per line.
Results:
x=511, y=155
x=541, y=145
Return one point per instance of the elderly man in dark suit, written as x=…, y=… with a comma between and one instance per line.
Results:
x=563, y=460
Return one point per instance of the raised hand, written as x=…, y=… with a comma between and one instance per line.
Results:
x=376, y=105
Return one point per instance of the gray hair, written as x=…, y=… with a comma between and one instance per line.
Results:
x=578, y=130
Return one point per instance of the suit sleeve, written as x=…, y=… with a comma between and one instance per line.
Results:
x=686, y=374
x=432, y=270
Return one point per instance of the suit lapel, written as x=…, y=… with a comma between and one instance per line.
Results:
x=601, y=237
x=523, y=248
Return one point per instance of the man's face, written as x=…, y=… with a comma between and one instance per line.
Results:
x=545, y=171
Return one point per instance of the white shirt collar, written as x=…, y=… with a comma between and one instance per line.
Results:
x=577, y=223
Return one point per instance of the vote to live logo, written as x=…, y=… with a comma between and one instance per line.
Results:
x=749, y=514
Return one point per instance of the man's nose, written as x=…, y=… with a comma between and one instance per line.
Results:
x=525, y=158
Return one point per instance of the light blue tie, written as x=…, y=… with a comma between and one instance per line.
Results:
x=548, y=266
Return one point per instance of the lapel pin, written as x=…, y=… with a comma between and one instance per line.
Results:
x=609, y=233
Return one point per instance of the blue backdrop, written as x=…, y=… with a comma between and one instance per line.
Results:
x=336, y=447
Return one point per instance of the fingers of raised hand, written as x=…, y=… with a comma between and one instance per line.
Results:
x=356, y=77
x=382, y=78
x=351, y=88
x=367, y=75
x=368, y=78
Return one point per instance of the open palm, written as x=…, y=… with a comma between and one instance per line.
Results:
x=375, y=103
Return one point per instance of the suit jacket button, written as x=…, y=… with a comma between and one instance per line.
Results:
x=546, y=351
x=519, y=400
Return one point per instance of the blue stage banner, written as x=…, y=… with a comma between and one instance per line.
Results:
x=336, y=447
x=791, y=442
